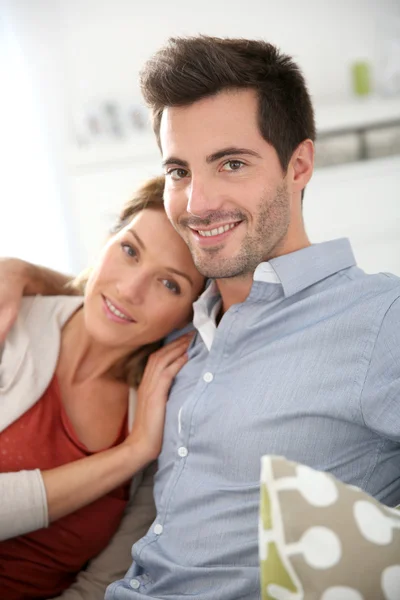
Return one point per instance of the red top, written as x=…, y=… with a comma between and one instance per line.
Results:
x=43, y=563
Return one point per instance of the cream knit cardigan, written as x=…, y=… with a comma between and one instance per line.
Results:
x=28, y=360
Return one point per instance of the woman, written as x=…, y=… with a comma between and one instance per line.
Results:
x=67, y=373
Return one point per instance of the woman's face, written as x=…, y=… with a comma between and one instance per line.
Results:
x=143, y=284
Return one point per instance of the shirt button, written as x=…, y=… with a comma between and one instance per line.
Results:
x=208, y=377
x=183, y=452
x=158, y=529
x=135, y=584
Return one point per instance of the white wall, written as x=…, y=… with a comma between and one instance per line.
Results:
x=106, y=42
x=83, y=51
x=360, y=201
x=35, y=219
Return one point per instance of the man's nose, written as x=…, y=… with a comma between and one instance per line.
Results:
x=202, y=198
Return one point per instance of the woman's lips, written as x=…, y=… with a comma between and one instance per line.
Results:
x=116, y=313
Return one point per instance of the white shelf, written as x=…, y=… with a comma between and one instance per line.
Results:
x=357, y=114
x=348, y=116
x=109, y=155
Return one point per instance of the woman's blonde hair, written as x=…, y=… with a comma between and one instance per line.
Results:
x=148, y=195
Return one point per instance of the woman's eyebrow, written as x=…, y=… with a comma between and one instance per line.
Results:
x=139, y=241
x=170, y=269
x=181, y=273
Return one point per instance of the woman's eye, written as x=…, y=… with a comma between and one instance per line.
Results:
x=172, y=286
x=129, y=250
x=232, y=165
x=177, y=174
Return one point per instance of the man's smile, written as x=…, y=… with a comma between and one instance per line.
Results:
x=214, y=234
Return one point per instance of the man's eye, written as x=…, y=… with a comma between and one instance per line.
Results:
x=129, y=250
x=177, y=174
x=172, y=286
x=233, y=165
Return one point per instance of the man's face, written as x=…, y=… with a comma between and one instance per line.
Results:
x=225, y=192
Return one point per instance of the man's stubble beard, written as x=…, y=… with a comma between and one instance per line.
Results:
x=272, y=224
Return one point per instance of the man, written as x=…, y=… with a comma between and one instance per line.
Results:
x=297, y=351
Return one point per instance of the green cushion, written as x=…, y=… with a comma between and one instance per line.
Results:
x=321, y=539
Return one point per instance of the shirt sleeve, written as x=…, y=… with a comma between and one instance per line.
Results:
x=115, y=560
x=23, y=503
x=380, y=398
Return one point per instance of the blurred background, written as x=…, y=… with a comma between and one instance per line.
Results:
x=75, y=138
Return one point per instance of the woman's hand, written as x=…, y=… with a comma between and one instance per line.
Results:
x=12, y=283
x=20, y=278
x=161, y=369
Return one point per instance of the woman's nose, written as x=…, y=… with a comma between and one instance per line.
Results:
x=133, y=289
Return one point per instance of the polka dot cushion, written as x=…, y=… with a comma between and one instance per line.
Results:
x=321, y=539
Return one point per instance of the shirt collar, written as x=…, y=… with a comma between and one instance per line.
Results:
x=205, y=311
x=266, y=273
x=294, y=272
x=303, y=268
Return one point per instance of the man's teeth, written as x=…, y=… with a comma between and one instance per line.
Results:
x=116, y=312
x=217, y=231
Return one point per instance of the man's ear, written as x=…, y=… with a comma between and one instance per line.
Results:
x=301, y=166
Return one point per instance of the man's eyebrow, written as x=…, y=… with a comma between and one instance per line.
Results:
x=170, y=269
x=230, y=151
x=172, y=160
x=137, y=238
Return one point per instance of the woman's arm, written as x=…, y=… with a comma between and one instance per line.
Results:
x=30, y=500
x=19, y=278
x=23, y=506
x=114, y=561
x=79, y=483
x=74, y=485
x=34, y=279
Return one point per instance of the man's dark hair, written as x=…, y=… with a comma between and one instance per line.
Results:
x=188, y=69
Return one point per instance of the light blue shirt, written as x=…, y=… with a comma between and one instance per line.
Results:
x=307, y=367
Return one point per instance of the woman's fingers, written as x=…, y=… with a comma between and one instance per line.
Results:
x=164, y=357
x=11, y=290
x=152, y=394
x=161, y=368
x=173, y=369
x=8, y=316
